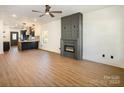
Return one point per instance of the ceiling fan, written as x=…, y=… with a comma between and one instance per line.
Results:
x=47, y=11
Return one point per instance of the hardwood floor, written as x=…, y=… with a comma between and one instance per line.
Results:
x=41, y=68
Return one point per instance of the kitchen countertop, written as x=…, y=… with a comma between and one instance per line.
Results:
x=29, y=41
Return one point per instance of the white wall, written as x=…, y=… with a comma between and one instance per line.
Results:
x=54, y=32
x=102, y=34
x=1, y=37
x=6, y=33
x=102, y=31
x=7, y=29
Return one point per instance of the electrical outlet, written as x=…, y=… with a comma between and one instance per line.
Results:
x=103, y=55
x=112, y=57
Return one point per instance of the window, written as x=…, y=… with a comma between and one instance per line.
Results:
x=45, y=37
x=14, y=36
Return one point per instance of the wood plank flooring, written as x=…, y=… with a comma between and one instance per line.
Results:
x=41, y=68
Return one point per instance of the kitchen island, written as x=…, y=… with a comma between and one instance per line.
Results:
x=28, y=44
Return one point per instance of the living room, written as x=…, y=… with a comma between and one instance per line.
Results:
x=60, y=57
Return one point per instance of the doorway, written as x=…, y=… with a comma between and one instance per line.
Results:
x=14, y=38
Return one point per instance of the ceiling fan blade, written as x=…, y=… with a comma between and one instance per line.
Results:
x=51, y=15
x=36, y=11
x=55, y=11
x=47, y=8
x=41, y=15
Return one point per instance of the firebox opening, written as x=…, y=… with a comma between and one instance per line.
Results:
x=69, y=48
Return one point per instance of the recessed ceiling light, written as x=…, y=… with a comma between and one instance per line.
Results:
x=35, y=19
x=13, y=15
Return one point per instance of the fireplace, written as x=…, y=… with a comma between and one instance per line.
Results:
x=69, y=48
x=71, y=36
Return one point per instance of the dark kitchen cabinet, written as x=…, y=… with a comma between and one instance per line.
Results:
x=28, y=45
x=6, y=46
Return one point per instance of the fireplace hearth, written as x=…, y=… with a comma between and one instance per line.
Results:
x=71, y=36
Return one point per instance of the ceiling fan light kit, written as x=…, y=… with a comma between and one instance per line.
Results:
x=47, y=11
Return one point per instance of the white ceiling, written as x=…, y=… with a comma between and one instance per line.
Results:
x=24, y=12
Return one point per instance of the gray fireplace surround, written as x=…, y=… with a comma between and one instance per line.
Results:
x=71, y=36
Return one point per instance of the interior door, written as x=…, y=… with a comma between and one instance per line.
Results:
x=14, y=38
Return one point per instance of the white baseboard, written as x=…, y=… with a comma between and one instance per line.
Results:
x=106, y=63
